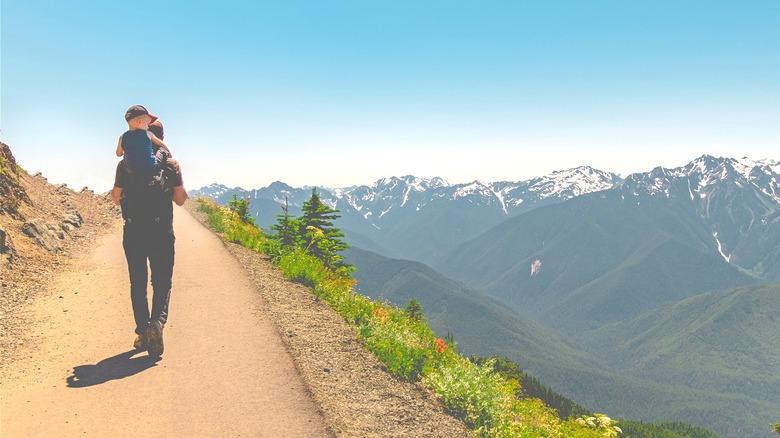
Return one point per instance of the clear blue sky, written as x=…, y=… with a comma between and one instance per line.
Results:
x=347, y=92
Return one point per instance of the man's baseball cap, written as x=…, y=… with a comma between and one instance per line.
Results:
x=138, y=110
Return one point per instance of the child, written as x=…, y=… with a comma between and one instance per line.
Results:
x=136, y=143
x=138, y=117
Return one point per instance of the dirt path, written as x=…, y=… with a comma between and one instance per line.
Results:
x=225, y=371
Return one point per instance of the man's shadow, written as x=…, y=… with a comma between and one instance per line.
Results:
x=116, y=367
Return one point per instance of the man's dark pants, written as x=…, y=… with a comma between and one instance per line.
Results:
x=153, y=242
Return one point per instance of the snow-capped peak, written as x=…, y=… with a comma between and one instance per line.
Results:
x=573, y=182
x=701, y=175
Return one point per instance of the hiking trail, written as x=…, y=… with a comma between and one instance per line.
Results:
x=225, y=372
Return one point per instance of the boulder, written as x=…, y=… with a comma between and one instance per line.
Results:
x=43, y=234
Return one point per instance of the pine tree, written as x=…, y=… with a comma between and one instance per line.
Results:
x=286, y=228
x=320, y=237
x=414, y=309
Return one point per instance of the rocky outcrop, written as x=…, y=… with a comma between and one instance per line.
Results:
x=47, y=236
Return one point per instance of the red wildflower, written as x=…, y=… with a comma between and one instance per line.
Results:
x=440, y=345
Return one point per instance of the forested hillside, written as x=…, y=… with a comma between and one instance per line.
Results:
x=599, y=258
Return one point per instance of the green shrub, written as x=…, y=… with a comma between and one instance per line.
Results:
x=470, y=392
x=299, y=266
x=356, y=309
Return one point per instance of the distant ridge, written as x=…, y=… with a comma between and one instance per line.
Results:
x=418, y=218
x=378, y=199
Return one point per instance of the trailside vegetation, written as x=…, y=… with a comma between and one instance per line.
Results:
x=485, y=393
x=241, y=207
x=532, y=387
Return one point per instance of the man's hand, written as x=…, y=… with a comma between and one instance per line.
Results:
x=116, y=193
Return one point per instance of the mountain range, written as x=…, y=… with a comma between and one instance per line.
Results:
x=416, y=218
x=606, y=288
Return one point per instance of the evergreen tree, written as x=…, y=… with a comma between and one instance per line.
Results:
x=241, y=207
x=320, y=237
x=414, y=309
x=286, y=228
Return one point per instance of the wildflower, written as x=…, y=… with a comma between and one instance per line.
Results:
x=440, y=345
x=381, y=314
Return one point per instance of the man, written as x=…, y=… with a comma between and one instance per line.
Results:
x=148, y=236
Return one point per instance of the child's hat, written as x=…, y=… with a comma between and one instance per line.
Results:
x=138, y=110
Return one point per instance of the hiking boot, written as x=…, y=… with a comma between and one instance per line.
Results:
x=154, y=335
x=141, y=342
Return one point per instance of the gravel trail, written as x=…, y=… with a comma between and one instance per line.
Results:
x=225, y=371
